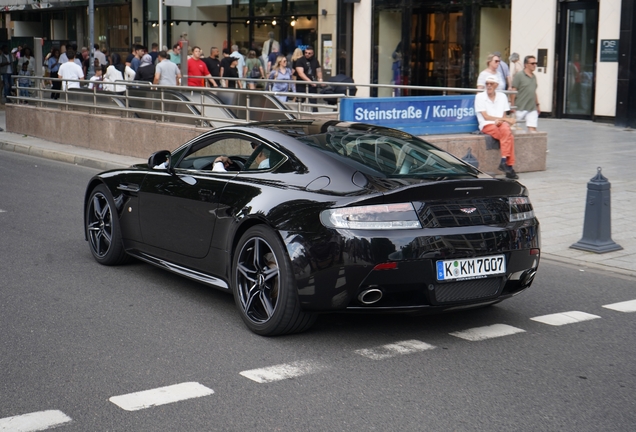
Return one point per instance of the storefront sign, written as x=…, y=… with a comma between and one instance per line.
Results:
x=422, y=115
x=609, y=50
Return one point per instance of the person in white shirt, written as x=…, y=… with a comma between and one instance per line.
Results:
x=96, y=80
x=491, y=107
x=492, y=61
x=70, y=71
x=114, y=73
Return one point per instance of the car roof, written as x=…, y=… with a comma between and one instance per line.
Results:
x=298, y=128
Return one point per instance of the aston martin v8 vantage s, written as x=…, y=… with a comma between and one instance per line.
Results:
x=307, y=216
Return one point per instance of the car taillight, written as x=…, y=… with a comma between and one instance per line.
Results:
x=374, y=217
x=520, y=209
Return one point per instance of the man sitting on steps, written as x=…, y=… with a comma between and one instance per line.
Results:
x=491, y=107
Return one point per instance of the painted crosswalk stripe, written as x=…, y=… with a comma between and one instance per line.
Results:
x=487, y=332
x=283, y=371
x=626, y=306
x=563, y=318
x=395, y=349
x=35, y=421
x=161, y=396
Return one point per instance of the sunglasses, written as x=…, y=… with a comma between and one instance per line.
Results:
x=532, y=63
x=497, y=61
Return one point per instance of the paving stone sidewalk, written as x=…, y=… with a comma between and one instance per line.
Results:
x=576, y=148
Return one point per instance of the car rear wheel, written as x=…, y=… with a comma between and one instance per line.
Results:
x=264, y=286
x=102, y=228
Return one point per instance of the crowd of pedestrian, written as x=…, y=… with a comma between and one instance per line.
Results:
x=68, y=66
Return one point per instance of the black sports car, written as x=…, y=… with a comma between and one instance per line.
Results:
x=306, y=216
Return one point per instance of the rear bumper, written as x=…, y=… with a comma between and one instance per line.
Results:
x=335, y=275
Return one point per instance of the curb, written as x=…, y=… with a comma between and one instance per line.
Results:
x=601, y=268
x=60, y=156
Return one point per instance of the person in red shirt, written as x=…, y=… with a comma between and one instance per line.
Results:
x=197, y=68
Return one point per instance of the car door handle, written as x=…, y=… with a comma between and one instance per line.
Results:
x=206, y=193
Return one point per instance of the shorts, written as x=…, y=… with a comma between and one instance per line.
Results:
x=532, y=117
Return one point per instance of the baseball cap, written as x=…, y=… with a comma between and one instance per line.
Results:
x=14, y=50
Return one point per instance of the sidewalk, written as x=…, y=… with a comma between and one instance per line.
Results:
x=576, y=149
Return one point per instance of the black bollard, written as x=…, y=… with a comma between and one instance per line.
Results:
x=470, y=159
x=597, y=227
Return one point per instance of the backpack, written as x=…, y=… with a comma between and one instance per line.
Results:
x=256, y=72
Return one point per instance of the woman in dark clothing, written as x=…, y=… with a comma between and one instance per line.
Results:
x=146, y=71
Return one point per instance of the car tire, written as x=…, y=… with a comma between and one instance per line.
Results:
x=102, y=228
x=264, y=286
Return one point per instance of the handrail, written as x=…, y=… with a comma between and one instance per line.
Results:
x=306, y=105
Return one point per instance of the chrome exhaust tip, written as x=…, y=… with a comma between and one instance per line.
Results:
x=529, y=277
x=370, y=296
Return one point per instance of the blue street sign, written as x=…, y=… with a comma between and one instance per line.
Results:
x=420, y=115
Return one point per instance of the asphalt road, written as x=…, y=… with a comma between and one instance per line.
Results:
x=75, y=334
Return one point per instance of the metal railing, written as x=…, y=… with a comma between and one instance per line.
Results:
x=203, y=106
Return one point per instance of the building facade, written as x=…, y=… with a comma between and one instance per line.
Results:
x=585, y=48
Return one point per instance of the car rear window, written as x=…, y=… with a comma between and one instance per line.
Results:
x=392, y=153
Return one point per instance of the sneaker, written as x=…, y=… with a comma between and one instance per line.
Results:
x=511, y=174
x=502, y=166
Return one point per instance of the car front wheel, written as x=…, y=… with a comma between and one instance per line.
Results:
x=264, y=287
x=102, y=228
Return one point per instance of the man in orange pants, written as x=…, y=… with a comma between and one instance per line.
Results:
x=491, y=107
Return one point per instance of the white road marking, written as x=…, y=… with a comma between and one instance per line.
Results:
x=283, y=371
x=161, y=396
x=487, y=332
x=35, y=421
x=559, y=319
x=626, y=306
x=394, y=349
x=2, y=211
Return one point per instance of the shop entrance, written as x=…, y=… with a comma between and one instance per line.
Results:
x=437, y=48
x=576, y=72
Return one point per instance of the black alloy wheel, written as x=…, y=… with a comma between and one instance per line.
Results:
x=264, y=286
x=102, y=228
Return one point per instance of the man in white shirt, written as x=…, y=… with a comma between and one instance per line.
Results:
x=491, y=107
x=70, y=71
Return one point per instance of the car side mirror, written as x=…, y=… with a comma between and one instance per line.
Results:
x=160, y=160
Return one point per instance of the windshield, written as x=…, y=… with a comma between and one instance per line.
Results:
x=392, y=153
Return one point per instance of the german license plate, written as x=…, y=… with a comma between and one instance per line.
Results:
x=471, y=268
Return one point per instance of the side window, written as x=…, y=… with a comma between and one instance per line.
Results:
x=201, y=155
x=263, y=158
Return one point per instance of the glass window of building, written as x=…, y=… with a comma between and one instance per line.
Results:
x=436, y=43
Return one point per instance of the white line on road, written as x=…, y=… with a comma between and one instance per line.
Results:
x=559, y=319
x=487, y=332
x=395, y=349
x=161, y=396
x=2, y=211
x=35, y=421
x=283, y=371
x=626, y=306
